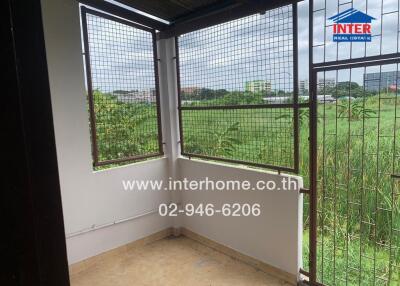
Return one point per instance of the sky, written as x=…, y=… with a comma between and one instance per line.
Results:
x=121, y=56
x=386, y=24
x=257, y=47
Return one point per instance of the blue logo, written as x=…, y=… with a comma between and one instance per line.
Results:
x=352, y=26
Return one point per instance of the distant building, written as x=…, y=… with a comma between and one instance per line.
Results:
x=326, y=98
x=258, y=86
x=303, y=87
x=324, y=83
x=132, y=96
x=277, y=99
x=381, y=81
x=189, y=90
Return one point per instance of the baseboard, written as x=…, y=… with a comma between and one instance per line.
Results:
x=273, y=271
x=91, y=262
x=177, y=231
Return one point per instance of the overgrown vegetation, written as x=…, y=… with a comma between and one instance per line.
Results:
x=124, y=129
x=342, y=89
x=360, y=222
x=358, y=199
x=354, y=110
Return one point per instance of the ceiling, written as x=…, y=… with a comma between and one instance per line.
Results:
x=183, y=16
x=173, y=10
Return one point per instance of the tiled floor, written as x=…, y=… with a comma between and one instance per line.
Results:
x=172, y=261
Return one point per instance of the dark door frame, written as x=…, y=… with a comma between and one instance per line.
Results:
x=314, y=68
x=32, y=248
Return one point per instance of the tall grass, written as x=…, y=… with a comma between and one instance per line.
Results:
x=359, y=150
x=359, y=202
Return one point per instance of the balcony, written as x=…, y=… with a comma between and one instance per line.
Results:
x=196, y=145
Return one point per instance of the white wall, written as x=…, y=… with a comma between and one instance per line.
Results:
x=274, y=237
x=95, y=200
x=95, y=242
x=90, y=199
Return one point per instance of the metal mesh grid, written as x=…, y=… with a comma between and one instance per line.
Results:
x=385, y=34
x=359, y=194
x=122, y=89
x=354, y=210
x=241, y=133
x=228, y=69
x=245, y=61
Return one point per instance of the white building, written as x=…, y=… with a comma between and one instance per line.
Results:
x=326, y=83
x=136, y=96
x=303, y=87
x=258, y=86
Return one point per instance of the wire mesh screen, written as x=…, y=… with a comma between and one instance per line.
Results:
x=357, y=188
x=236, y=87
x=225, y=133
x=358, y=178
x=383, y=17
x=122, y=88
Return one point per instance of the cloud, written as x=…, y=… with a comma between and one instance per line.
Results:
x=257, y=47
x=121, y=56
x=228, y=55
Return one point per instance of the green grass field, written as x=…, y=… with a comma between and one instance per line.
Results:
x=359, y=148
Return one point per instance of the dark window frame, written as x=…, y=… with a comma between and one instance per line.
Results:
x=295, y=106
x=92, y=114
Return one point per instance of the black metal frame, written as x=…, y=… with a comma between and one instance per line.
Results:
x=126, y=14
x=295, y=105
x=210, y=17
x=92, y=115
x=314, y=69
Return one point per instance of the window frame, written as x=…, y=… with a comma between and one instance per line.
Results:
x=295, y=106
x=92, y=115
